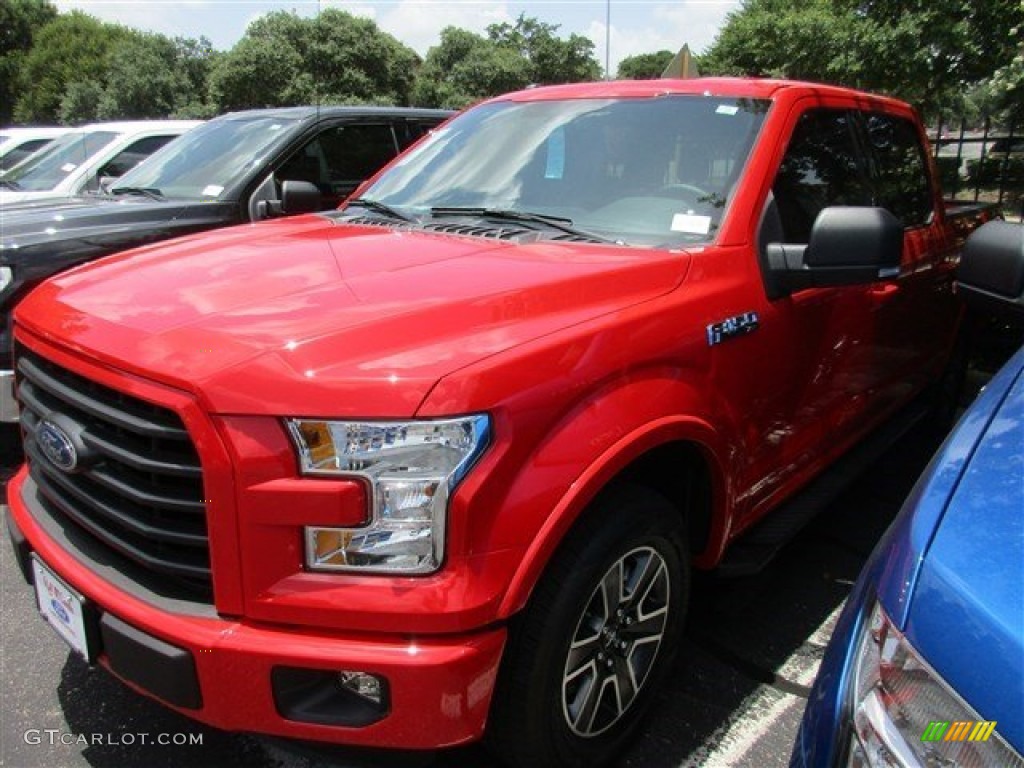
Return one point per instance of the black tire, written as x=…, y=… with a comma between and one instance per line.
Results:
x=556, y=710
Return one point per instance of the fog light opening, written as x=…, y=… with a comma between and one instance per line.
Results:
x=370, y=687
x=330, y=697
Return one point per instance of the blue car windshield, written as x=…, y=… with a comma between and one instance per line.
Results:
x=208, y=162
x=645, y=171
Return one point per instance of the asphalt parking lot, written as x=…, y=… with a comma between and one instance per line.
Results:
x=734, y=699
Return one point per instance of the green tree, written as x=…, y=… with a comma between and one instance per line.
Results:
x=194, y=59
x=1006, y=88
x=466, y=67
x=153, y=76
x=284, y=59
x=551, y=59
x=929, y=52
x=80, y=102
x=19, y=22
x=644, y=66
x=73, y=48
x=141, y=79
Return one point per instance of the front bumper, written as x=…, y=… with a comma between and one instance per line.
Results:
x=439, y=686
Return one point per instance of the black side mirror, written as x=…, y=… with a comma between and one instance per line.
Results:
x=991, y=272
x=300, y=197
x=847, y=246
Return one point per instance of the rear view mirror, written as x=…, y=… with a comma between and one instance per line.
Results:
x=848, y=246
x=991, y=272
x=300, y=197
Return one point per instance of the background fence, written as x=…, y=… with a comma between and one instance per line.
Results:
x=982, y=163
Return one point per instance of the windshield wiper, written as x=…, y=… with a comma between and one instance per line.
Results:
x=7, y=184
x=560, y=223
x=378, y=207
x=151, y=192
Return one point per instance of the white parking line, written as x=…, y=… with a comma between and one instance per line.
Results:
x=761, y=712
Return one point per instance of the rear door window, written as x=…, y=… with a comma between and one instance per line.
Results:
x=899, y=169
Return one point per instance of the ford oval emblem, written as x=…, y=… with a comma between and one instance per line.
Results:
x=56, y=445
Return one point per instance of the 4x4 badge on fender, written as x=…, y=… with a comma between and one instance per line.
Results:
x=56, y=446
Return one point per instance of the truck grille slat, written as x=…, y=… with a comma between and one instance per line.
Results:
x=137, y=487
x=139, y=461
x=117, y=409
x=99, y=507
x=119, y=543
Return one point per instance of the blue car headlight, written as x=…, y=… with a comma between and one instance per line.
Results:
x=906, y=716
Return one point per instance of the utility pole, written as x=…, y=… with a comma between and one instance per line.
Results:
x=607, y=39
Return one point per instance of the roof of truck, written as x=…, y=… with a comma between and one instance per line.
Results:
x=302, y=113
x=749, y=87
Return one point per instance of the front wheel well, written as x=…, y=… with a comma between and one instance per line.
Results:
x=679, y=471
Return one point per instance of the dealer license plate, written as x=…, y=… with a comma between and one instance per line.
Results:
x=62, y=607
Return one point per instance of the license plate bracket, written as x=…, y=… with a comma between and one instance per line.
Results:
x=66, y=610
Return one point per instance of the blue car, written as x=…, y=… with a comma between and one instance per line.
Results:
x=926, y=665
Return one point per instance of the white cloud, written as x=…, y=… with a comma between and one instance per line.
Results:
x=223, y=22
x=664, y=27
x=418, y=23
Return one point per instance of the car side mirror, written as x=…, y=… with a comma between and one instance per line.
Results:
x=300, y=197
x=848, y=245
x=991, y=273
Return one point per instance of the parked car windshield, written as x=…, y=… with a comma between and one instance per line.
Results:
x=651, y=171
x=58, y=161
x=207, y=162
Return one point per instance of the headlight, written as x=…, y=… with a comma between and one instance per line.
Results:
x=411, y=468
x=905, y=716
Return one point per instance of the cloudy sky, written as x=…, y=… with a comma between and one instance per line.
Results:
x=637, y=26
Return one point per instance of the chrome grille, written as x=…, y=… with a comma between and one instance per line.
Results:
x=139, y=490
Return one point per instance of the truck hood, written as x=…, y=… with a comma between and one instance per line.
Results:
x=967, y=612
x=311, y=317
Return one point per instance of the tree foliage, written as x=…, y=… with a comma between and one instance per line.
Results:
x=466, y=67
x=155, y=76
x=71, y=48
x=550, y=60
x=107, y=72
x=19, y=22
x=285, y=60
x=644, y=66
x=929, y=52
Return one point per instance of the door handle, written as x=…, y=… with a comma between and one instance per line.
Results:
x=884, y=291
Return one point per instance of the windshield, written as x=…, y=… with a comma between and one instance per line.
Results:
x=208, y=161
x=653, y=171
x=58, y=161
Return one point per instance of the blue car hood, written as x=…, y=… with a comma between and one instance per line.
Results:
x=966, y=613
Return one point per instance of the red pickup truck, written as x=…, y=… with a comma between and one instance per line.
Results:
x=439, y=465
